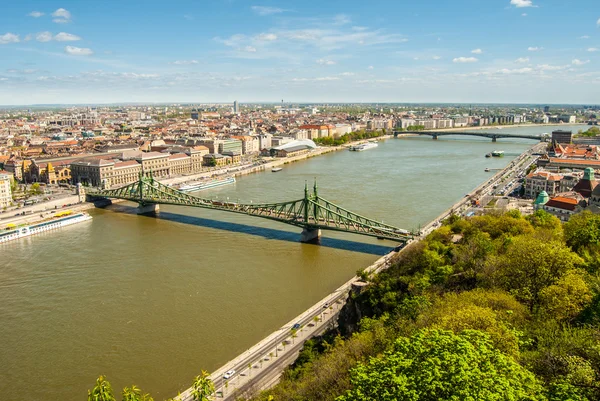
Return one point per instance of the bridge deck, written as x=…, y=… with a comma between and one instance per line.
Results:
x=311, y=212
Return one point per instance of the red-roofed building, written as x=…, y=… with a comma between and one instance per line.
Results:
x=565, y=205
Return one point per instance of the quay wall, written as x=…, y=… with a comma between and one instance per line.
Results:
x=341, y=293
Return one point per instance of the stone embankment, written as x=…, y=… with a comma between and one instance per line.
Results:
x=339, y=296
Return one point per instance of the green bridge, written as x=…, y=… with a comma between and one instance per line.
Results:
x=312, y=213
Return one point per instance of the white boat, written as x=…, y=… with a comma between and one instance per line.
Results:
x=363, y=146
x=61, y=219
x=498, y=153
x=199, y=186
x=276, y=169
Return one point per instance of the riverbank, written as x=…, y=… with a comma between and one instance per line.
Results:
x=255, y=378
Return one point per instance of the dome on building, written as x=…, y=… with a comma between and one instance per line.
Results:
x=587, y=184
x=542, y=199
x=588, y=174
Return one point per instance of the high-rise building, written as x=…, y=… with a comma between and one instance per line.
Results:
x=5, y=191
x=236, y=107
x=546, y=109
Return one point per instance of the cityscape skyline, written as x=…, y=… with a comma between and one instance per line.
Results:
x=515, y=51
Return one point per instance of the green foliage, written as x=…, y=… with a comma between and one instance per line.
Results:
x=202, y=387
x=350, y=137
x=591, y=132
x=133, y=393
x=441, y=365
x=529, y=265
x=102, y=391
x=565, y=299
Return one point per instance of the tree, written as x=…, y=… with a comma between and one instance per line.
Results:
x=441, y=365
x=202, y=387
x=133, y=393
x=36, y=189
x=582, y=230
x=102, y=391
x=565, y=299
x=530, y=265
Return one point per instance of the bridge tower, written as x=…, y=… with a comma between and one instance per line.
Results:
x=309, y=233
x=145, y=208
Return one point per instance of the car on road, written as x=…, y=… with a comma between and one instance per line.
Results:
x=296, y=326
x=228, y=374
x=326, y=305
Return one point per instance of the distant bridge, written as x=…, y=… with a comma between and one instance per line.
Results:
x=312, y=212
x=493, y=136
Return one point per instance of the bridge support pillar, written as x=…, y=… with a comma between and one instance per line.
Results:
x=494, y=139
x=310, y=235
x=434, y=137
x=148, y=210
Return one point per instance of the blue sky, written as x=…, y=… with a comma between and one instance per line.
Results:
x=525, y=51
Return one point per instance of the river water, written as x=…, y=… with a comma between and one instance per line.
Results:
x=152, y=301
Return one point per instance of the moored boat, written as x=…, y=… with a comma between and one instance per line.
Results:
x=363, y=146
x=276, y=169
x=59, y=220
x=498, y=153
x=199, y=186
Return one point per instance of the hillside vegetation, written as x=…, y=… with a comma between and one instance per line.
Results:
x=495, y=307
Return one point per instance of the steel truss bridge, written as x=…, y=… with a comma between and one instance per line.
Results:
x=312, y=213
x=493, y=136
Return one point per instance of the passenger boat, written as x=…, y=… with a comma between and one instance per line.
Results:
x=199, y=186
x=363, y=146
x=487, y=169
x=498, y=153
x=276, y=169
x=59, y=220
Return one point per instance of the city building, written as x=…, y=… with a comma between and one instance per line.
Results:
x=236, y=107
x=5, y=190
x=561, y=136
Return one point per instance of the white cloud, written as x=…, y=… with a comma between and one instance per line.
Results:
x=327, y=79
x=347, y=74
x=584, y=37
x=592, y=49
x=534, y=48
x=78, y=51
x=185, y=62
x=371, y=67
x=476, y=51
x=233, y=40
x=579, y=62
x=464, y=60
x=598, y=22
x=28, y=37
x=341, y=19
x=524, y=70
x=61, y=13
x=524, y=15
x=250, y=49
x=522, y=3
x=44, y=36
x=436, y=57
x=35, y=14
x=9, y=38
x=522, y=60
x=323, y=61
x=263, y=10
x=548, y=67
x=266, y=37
x=66, y=37
x=61, y=16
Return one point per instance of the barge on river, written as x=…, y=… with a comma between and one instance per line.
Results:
x=59, y=220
